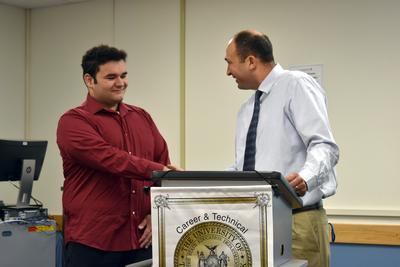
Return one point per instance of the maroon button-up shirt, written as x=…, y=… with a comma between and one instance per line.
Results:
x=108, y=158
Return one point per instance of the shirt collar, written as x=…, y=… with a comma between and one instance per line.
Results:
x=267, y=84
x=93, y=106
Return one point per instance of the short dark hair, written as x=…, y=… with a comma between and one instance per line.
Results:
x=256, y=44
x=99, y=55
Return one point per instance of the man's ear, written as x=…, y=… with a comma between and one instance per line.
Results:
x=88, y=79
x=251, y=62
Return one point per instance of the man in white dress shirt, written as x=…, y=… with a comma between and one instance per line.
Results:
x=293, y=136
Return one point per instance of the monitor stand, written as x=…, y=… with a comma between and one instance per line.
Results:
x=26, y=183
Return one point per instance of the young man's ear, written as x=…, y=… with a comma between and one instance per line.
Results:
x=88, y=79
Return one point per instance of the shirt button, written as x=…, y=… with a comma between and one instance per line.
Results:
x=133, y=191
x=133, y=213
x=130, y=153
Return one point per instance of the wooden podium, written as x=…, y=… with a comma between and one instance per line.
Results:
x=222, y=219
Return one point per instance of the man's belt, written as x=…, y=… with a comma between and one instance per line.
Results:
x=315, y=206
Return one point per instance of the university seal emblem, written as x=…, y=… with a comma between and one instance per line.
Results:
x=212, y=244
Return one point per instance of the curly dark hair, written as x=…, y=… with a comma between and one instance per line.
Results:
x=100, y=55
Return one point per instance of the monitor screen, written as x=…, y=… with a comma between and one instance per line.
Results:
x=22, y=161
x=12, y=154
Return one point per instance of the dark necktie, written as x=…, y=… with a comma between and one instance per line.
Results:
x=250, y=151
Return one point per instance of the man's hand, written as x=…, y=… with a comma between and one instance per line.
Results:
x=145, y=225
x=298, y=183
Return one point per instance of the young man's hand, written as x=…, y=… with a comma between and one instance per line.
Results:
x=145, y=225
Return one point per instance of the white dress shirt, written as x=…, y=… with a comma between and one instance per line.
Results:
x=293, y=133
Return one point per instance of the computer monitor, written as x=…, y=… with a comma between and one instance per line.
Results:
x=22, y=161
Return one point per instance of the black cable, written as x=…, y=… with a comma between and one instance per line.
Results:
x=333, y=235
x=157, y=182
x=274, y=187
x=165, y=173
x=37, y=201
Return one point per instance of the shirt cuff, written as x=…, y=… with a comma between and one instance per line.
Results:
x=309, y=178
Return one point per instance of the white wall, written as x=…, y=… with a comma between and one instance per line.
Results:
x=12, y=82
x=149, y=32
x=357, y=43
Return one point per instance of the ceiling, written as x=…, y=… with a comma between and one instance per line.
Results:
x=38, y=3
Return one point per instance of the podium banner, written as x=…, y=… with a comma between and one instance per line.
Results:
x=211, y=226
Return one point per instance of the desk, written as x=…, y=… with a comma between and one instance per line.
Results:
x=30, y=244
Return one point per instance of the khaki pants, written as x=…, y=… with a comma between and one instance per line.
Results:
x=310, y=237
